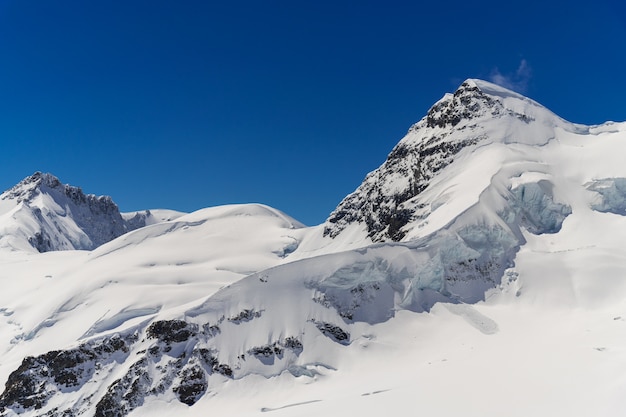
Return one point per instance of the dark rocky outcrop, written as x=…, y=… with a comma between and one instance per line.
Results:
x=245, y=315
x=381, y=203
x=171, y=331
x=192, y=384
x=175, y=360
x=335, y=333
x=39, y=378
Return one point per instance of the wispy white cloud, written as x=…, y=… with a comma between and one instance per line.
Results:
x=517, y=81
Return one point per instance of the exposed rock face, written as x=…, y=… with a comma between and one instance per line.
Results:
x=39, y=378
x=173, y=356
x=66, y=217
x=335, y=333
x=171, y=360
x=468, y=102
x=171, y=331
x=385, y=203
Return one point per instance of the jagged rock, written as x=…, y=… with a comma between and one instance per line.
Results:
x=39, y=378
x=172, y=331
x=294, y=344
x=223, y=369
x=267, y=353
x=267, y=350
x=245, y=315
x=127, y=393
x=467, y=103
x=335, y=333
x=211, y=330
x=159, y=368
x=192, y=385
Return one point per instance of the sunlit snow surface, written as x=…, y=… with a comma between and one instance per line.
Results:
x=507, y=296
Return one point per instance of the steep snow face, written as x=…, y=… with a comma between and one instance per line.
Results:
x=43, y=214
x=477, y=114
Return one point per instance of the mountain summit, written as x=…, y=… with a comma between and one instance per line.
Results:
x=476, y=114
x=44, y=214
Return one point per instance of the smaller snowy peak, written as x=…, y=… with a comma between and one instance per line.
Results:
x=30, y=187
x=42, y=213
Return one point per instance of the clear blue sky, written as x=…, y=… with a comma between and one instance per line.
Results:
x=189, y=104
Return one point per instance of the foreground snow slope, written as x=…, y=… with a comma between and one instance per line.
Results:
x=480, y=270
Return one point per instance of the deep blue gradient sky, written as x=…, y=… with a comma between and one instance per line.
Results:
x=189, y=104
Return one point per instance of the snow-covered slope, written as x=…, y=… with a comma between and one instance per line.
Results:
x=480, y=270
x=40, y=213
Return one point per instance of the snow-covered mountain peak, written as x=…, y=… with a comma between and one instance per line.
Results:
x=468, y=102
x=478, y=101
x=477, y=114
x=32, y=186
x=26, y=189
x=43, y=214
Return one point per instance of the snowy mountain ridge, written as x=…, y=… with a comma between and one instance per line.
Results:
x=42, y=213
x=486, y=236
